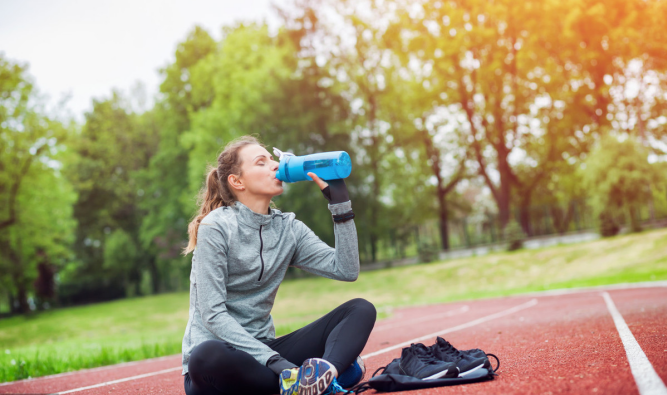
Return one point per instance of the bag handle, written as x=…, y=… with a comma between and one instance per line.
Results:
x=497, y=362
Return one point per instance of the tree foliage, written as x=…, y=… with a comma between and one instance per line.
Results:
x=113, y=145
x=448, y=108
x=35, y=199
x=619, y=177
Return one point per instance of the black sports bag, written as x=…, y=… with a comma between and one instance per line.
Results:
x=390, y=380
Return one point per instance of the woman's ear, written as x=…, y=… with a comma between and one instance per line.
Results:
x=235, y=182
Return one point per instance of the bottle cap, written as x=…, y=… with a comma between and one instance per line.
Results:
x=280, y=153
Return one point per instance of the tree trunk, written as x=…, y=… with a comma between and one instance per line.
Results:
x=561, y=219
x=634, y=221
x=651, y=205
x=13, y=308
x=524, y=214
x=444, y=229
x=22, y=294
x=373, y=247
x=18, y=277
x=374, y=213
x=155, y=274
x=504, y=189
x=433, y=154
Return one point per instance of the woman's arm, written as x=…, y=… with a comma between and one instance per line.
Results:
x=315, y=256
x=211, y=279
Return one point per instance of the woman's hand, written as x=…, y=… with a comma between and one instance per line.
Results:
x=320, y=183
x=335, y=191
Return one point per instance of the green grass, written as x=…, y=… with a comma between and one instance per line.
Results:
x=132, y=329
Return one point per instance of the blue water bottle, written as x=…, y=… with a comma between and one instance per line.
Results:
x=327, y=165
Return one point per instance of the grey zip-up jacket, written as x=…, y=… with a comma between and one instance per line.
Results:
x=239, y=262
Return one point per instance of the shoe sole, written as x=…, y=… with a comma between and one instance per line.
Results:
x=467, y=372
x=312, y=381
x=437, y=375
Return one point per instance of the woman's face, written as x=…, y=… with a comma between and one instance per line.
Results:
x=258, y=172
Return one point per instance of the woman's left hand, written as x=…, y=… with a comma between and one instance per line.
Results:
x=320, y=183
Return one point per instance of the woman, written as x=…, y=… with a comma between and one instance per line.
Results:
x=242, y=249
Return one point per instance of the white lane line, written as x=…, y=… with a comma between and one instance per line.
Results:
x=611, y=287
x=141, y=376
x=478, y=321
x=648, y=381
x=449, y=313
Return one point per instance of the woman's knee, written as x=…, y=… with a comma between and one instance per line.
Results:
x=366, y=307
x=210, y=355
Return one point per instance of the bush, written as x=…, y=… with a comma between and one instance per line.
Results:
x=619, y=178
x=428, y=253
x=608, y=227
x=514, y=235
x=515, y=245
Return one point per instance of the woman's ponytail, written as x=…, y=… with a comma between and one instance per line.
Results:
x=217, y=193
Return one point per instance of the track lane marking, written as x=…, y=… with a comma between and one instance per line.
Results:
x=449, y=313
x=141, y=376
x=472, y=323
x=511, y=310
x=647, y=380
x=560, y=292
x=608, y=287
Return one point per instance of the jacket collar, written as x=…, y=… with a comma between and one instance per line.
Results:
x=251, y=218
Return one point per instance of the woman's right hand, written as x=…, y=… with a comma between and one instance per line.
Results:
x=335, y=191
x=320, y=182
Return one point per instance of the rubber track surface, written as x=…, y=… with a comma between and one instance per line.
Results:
x=564, y=343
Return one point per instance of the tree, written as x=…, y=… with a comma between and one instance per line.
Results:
x=350, y=52
x=166, y=198
x=522, y=81
x=112, y=146
x=619, y=176
x=36, y=201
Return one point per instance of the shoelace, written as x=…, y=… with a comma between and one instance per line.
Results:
x=447, y=348
x=424, y=354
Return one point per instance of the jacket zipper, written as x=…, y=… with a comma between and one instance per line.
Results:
x=261, y=246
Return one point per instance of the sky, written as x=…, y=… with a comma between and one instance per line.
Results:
x=82, y=49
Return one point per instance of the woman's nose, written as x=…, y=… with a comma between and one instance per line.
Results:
x=274, y=165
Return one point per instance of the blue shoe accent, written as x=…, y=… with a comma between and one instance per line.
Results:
x=353, y=374
x=335, y=388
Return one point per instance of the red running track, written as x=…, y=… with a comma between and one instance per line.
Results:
x=547, y=343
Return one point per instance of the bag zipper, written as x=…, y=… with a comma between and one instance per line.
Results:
x=261, y=246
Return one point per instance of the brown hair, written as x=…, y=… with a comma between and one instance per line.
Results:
x=217, y=192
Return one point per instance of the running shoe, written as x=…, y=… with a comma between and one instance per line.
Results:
x=314, y=377
x=394, y=367
x=475, y=352
x=466, y=362
x=288, y=381
x=353, y=374
x=418, y=361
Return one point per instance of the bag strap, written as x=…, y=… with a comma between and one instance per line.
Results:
x=361, y=387
x=365, y=386
x=381, y=368
x=497, y=362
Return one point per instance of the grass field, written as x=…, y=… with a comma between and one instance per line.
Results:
x=132, y=329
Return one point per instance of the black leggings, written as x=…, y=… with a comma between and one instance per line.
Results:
x=216, y=368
